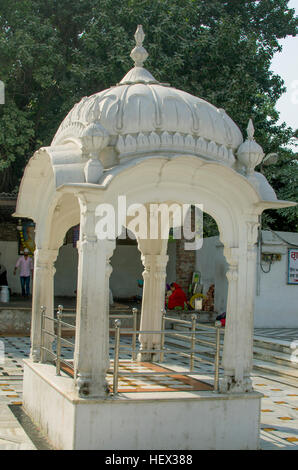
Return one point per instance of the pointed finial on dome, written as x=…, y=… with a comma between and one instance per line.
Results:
x=139, y=35
x=139, y=53
x=250, y=130
x=250, y=153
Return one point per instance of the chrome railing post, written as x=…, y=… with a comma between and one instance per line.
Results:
x=59, y=331
x=117, y=324
x=217, y=357
x=193, y=340
x=162, y=339
x=134, y=335
x=42, y=313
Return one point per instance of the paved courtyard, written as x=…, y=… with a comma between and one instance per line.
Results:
x=279, y=409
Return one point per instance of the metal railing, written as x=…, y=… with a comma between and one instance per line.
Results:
x=194, y=340
x=134, y=332
x=190, y=335
x=60, y=341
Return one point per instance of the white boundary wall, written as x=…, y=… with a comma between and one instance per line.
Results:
x=277, y=304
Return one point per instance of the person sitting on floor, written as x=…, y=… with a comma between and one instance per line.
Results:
x=177, y=300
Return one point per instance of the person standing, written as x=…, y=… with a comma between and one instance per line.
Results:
x=26, y=270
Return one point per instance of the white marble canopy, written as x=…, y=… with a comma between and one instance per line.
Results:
x=151, y=143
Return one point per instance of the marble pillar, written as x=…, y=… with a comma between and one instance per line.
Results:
x=152, y=303
x=238, y=341
x=43, y=295
x=91, y=356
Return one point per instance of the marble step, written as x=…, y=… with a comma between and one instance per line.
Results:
x=275, y=369
x=273, y=344
x=260, y=342
x=286, y=380
x=268, y=355
x=265, y=360
x=203, y=351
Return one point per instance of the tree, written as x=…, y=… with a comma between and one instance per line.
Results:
x=53, y=52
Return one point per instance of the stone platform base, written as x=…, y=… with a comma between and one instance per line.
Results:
x=151, y=420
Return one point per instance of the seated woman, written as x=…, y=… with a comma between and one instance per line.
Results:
x=177, y=300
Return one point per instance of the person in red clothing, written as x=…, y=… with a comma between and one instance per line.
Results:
x=177, y=299
x=222, y=318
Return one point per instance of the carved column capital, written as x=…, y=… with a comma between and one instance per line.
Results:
x=45, y=258
x=87, y=219
x=252, y=231
x=232, y=255
x=159, y=261
x=157, y=264
x=232, y=274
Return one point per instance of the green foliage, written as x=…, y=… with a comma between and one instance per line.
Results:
x=53, y=52
x=284, y=178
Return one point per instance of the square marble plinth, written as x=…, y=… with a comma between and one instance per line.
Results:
x=185, y=420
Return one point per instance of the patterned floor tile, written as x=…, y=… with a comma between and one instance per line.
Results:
x=279, y=417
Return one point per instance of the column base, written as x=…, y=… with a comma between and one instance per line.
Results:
x=229, y=384
x=35, y=355
x=85, y=387
x=148, y=357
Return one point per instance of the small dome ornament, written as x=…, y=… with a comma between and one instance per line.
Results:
x=94, y=139
x=250, y=154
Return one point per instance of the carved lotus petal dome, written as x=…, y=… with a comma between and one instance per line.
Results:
x=141, y=107
x=168, y=119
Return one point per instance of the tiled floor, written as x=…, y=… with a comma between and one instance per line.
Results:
x=148, y=377
x=279, y=410
x=279, y=414
x=11, y=369
x=12, y=435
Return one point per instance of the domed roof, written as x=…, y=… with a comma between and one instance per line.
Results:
x=141, y=115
